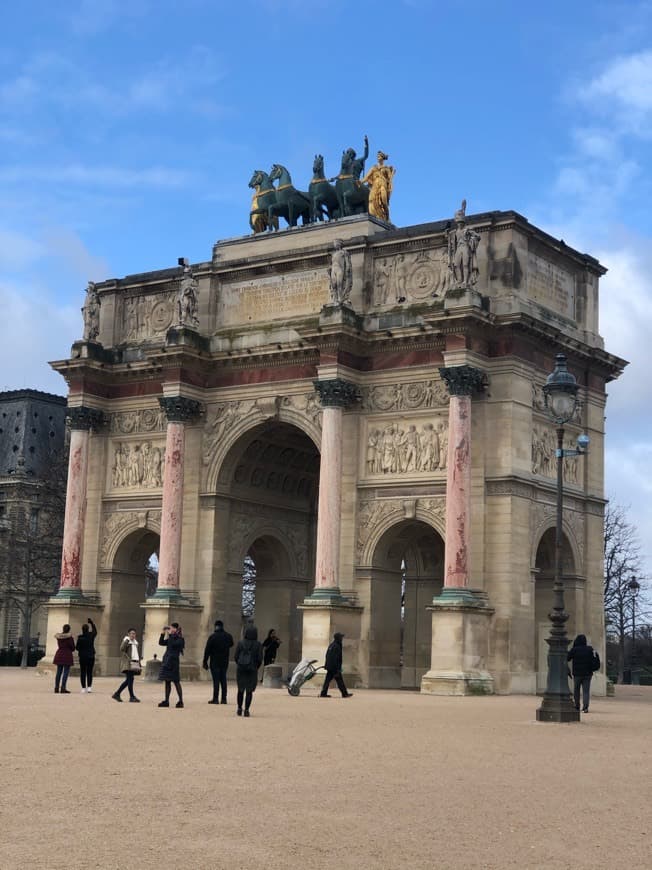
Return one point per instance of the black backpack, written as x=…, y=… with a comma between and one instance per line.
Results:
x=596, y=662
x=246, y=659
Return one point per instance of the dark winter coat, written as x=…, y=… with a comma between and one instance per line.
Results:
x=217, y=649
x=248, y=679
x=170, y=664
x=333, y=661
x=582, y=657
x=66, y=647
x=86, y=644
x=270, y=648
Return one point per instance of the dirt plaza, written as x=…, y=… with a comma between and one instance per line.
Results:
x=387, y=779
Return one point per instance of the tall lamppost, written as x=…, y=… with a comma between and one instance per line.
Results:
x=560, y=392
x=633, y=587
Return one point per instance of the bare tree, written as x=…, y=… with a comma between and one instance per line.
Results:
x=622, y=562
x=248, y=589
x=32, y=542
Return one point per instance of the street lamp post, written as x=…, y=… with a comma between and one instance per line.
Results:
x=560, y=392
x=633, y=587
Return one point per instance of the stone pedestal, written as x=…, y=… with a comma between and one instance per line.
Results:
x=320, y=622
x=73, y=611
x=158, y=613
x=273, y=677
x=462, y=297
x=460, y=644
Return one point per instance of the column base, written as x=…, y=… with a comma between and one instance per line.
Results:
x=460, y=644
x=165, y=594
x=321, y=619
x=326, y=595
x=68, y=593
x=161, y=611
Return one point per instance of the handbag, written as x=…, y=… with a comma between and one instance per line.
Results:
x=134, y=668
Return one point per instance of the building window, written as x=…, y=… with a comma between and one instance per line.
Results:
x=33, y=521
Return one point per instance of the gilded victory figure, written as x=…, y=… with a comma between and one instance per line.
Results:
x=380, y=180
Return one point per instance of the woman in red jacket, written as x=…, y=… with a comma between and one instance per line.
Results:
x=63, y=659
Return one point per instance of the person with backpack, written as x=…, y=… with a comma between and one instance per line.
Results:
x=63, y=659
x=248, y=658
x=585, y=661
x=217, y=653
x=86, y=653
x=333, y=665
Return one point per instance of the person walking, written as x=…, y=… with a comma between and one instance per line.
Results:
x=172, y=638
x=129, y=665
x=63, y=659
x=217, y=653
x=86, y=653
x=333, y=665
x=270, y=648
x=248, y=658
x=585, y=661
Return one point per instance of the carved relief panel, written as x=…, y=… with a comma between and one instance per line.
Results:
x=146, y=317
x=137, y=465
x=544, y=459
x=401, y=397
x=405, y=446
x=412, y=277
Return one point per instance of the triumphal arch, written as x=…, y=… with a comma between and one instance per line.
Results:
x=355, y=409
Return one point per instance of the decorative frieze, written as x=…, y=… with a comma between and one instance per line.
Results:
x=137, y=465
x=135, y=422
x=405, y=397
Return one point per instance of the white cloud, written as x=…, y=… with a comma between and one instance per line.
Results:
x=623, y=90
x=17, y=251
x=102, y=176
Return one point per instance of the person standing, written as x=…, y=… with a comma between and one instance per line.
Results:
x=248, y=658
x=270, y=647
x=333, y=665
x=172, y=638
x=86, y=653
x=217, y=653
x=585, y=661
x=63, y=659
x=129, y=665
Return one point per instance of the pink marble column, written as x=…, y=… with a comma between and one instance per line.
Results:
x=179, y=411
x=335, y=395
x=461, y=382
x=81, y=420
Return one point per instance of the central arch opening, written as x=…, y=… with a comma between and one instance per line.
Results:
x=408, y=572
x=271, y=478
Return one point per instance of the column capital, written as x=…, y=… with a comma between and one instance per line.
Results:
x=462, y=380
x=179, y=409
x=84, y=418
x=336, y=393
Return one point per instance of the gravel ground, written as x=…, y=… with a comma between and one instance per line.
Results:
x=384, y=780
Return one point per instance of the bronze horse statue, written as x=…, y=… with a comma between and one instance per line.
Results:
x=352, y=195
x=291, y=203
x=322, y=194
x=264, y=197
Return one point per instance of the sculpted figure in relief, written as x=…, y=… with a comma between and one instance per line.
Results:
x=400, y=451
x=340, y=274
x=187, y=298
x=91, y=313
x=137, y=465
x=462, y=247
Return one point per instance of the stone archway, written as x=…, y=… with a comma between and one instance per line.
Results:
x=407, y=572
x=267, y=489
x=544, y=572
x=125, y=589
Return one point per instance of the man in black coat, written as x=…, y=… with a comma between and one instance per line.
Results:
x=86, y=652
x=217, y=652
x=585, y=661
x=333, y=665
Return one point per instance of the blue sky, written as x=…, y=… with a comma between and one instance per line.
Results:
x=130, y=131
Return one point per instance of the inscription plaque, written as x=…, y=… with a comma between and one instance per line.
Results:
x=550, y=285
x=272, y=298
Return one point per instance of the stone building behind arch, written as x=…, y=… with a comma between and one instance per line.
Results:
x=387, y=462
